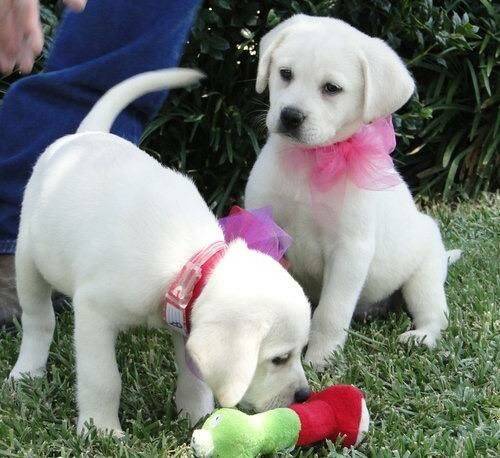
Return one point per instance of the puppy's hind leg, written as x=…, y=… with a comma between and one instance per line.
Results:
x=37, y=318
x=97, y=376
x=425, y=297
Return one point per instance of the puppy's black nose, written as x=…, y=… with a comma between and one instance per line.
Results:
x=291, y=118
x=302, y=394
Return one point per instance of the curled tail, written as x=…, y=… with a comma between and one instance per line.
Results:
x=112, y=103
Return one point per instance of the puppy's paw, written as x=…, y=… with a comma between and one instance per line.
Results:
x=316, y=360
x=420, y=336
x=194, y=407
x=117, y=433
x=104, y=428
x=318, y=352
x=18, y=372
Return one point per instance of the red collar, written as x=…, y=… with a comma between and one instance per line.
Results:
x=188, y=285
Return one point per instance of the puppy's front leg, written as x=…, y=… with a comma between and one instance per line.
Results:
x=344, y=276
x=98, y=379
x=193, y=397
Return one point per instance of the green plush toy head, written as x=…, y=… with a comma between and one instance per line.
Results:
x=229, y=433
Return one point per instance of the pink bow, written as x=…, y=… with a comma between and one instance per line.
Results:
x=258, y=229
x=364, y=158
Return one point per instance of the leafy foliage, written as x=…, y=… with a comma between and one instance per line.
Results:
x=448, y=132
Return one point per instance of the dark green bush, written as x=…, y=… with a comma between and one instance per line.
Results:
x=450, y=128
x=448, y=132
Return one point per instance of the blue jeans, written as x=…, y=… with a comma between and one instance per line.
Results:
x=110, y=41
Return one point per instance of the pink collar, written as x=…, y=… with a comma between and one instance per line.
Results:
x=364, y=158
x=188, y=285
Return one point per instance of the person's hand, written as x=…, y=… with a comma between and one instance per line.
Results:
x=21, y=36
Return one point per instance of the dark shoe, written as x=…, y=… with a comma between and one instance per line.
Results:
x=60, y=302
x=9, y=305
x=380, y=310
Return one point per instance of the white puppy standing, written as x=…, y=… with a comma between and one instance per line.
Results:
x=107, y=225
x=326, y=80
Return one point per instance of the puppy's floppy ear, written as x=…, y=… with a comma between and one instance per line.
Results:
x=226, y=353
x=388, y=84
x=268, y=44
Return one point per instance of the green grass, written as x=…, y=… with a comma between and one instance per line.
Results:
x=423, y=403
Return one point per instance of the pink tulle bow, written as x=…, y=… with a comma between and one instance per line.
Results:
x=364, y=158
x=258, y=229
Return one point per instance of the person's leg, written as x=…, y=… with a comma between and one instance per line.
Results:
x=94, y=50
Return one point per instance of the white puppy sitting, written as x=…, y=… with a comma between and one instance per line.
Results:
x=109, y=226
x=352, y=246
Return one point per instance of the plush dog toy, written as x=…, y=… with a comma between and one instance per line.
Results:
x=338, y=411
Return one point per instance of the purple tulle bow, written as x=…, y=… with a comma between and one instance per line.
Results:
x=258, y=229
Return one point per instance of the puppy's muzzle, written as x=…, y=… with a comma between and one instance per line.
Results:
x=291, y=119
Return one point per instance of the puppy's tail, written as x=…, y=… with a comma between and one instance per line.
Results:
x=453, y=256
x=110, y=105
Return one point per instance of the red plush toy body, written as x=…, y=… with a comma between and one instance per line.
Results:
x=337, y=411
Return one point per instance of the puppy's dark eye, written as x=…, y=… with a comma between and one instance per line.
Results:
x=286, y=74
x=331, y=88
x=282, y=359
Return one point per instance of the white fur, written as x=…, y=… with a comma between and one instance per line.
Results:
x=351, y=246
x=364, y=423
x=106, y=224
